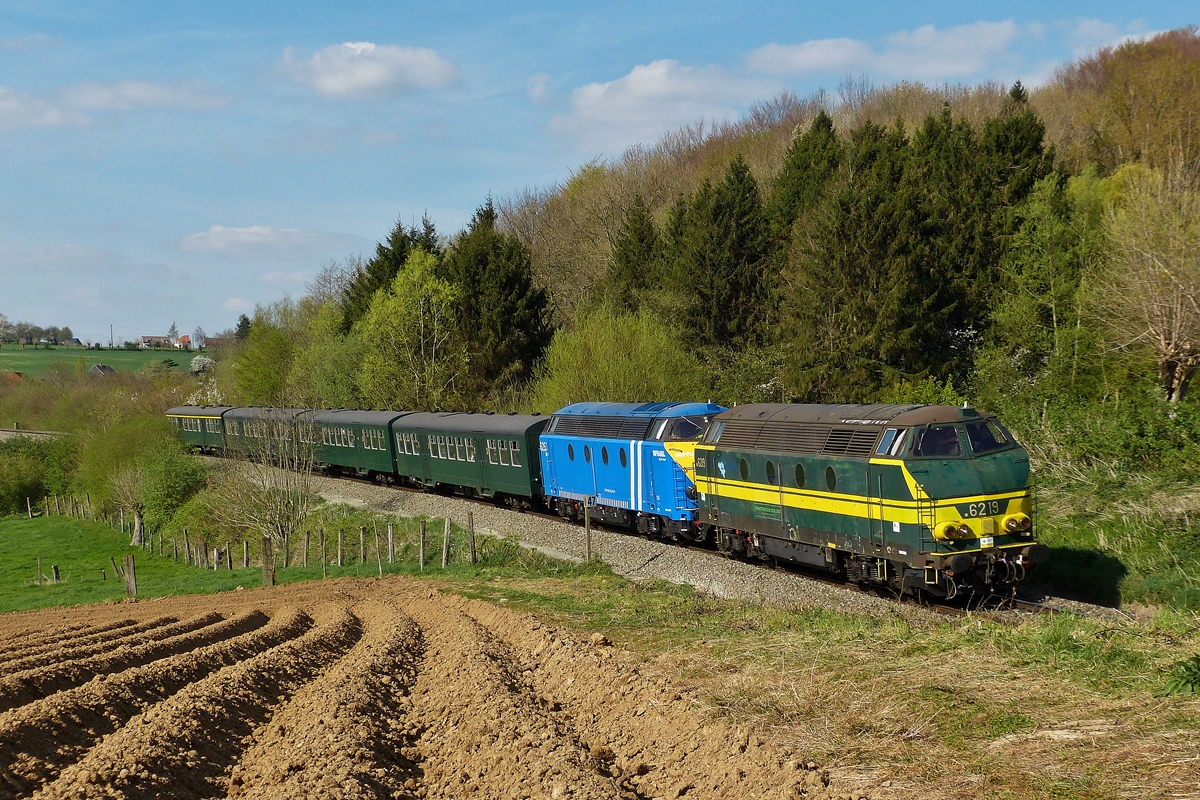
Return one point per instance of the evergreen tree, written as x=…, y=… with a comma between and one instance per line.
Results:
x=503, y=317
x=810, y=161
x=719, y=249
x=636, y=257
x=381, y=270
x=173, y=332
x=242, y=331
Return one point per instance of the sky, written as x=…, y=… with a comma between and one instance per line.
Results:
x=180, y=162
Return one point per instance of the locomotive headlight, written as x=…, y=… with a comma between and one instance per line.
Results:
x=965, y=531
x=1012, y=525
x=949, y=531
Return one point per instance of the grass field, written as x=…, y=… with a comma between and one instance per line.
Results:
x=34, y=362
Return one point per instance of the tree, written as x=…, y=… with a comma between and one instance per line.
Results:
x=631, y=357
x=242, y=331
x=637, y=254
x=366, y=279
x=173, y=333
x=411, y=359
x=198, y=337
x=1152, y=286
x=718, y=247
x=502, y=316
x=811, y=160
x=261, y=367
x=126, y=490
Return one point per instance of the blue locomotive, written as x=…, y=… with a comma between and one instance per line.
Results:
x=631, y=463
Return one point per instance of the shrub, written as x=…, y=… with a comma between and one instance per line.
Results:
x=1184, y=677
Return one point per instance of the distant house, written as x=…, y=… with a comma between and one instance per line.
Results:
x=155, y=341
x=218, y=341
x=73, y=342
x=183, y=342
x=101, y=371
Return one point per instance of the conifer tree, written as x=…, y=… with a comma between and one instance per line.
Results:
x=636, y=257
x=810, y=161
x=503, y=317
x=381, y=270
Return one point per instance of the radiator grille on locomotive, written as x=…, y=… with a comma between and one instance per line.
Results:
x=799, y=438
x=602, y=427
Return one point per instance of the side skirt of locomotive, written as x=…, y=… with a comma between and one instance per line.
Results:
x=983, y=572
x=645, y=524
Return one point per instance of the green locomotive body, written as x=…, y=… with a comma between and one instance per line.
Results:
x=920, y=498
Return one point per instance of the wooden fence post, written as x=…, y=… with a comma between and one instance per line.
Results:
x=446, y=544
x=307, y=537
x=116, y=570
x=287, y=548
x=362, y=544
x=28, y=508
x=216, y=558
x=378, y=554
x=122, y=514
x=39, y=575
x=130, y=576
x=187, y=545
x=324, y=558
x=229, y=558
x=471, y=535
x=422, y=550
x=245, y=554
x=587, y=529
x=391, y=543
x=268, y=562
x=341, y=548
x=54, y=570
x=174, y=549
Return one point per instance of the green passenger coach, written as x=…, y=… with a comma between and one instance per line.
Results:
x=201, y=427
x=928, y=498
x=353, y=442
x=485, y=455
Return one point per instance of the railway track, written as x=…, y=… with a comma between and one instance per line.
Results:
x=998, y=607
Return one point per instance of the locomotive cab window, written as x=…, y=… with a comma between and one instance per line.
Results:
x=986, y=436
x=885, y=444
x=938, y=441
x=714, y=433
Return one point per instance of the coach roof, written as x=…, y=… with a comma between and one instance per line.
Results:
x=849, y=414
x=468, y=422
x=378, y=419
x=198, y=411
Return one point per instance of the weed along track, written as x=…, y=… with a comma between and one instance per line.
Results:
x=377, y=688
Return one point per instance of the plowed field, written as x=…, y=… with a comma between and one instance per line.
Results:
x=354, y=689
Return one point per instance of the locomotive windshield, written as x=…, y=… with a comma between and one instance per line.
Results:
x=986, y=436
x=681, y=429
x=938, y=441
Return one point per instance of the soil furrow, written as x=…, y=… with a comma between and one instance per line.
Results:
x=182, y=747
x=159, y=628
x=486, y=732
x=25, y=687
x=652, y=739
x=39, y=739
x=343, y=734
x=36, y=641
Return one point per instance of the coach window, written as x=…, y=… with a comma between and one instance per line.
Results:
x=799, y=476
x=771, y=472
x=514, y=452
x=830, y=478
x=604, y=455
x=503, y=453
x=570, y=451
x=460, y=449
x=471, y=450
x=744, y=469
x=624, y=458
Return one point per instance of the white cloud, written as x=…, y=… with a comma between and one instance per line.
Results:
x=19, y=110
x=1089, y=35
x=237, y=305
x=538, y=88
x=130, y=95
x=652, y=99
x=363, y=69
x=927, y=53
x=259, y=242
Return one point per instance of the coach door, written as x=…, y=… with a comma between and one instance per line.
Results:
x=480, y=445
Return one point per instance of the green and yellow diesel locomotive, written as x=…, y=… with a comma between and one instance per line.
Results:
x=931, y=499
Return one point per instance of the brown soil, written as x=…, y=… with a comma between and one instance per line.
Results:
x=377, y=688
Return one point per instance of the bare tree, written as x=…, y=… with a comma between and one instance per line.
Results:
x=1152, y=291
x=269, y=489
x=127, y=492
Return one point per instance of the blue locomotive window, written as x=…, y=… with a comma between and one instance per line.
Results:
x=624, y=459
x=604, y=455
x=938, y=441
x=570, y=451
x=744, y=469
x=799, y=476
x=771, y=472
x=587, y=453
x=830, y=478
x=986, y=436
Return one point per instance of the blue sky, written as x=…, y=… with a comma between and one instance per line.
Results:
x=171, y=162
